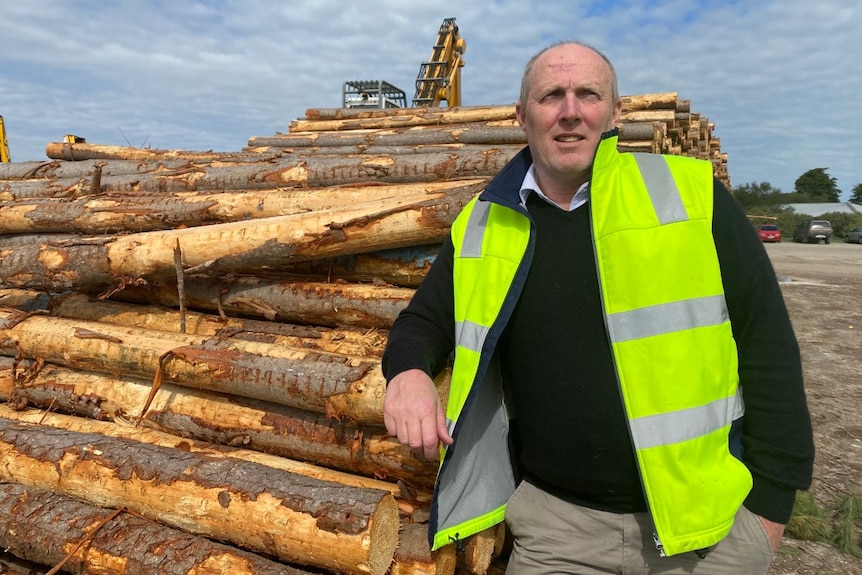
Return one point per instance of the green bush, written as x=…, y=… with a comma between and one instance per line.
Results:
x=840, y=525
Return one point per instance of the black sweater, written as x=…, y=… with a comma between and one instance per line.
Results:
x=571, y=429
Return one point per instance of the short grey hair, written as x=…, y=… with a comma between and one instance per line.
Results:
x=528, y=69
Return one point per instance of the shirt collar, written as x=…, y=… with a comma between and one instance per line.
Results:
x=530, y=185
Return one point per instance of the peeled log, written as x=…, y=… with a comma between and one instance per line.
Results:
x=396, y=118
x=318, y=303
x=414, y=557
x=288, y=171
x=264, y=244
x=114, y=212
x=345, y=340
x=120, y=429
x=338, y=385
x=291, y=517
x=44, y=527
x=83, y=151
x=501, y=132
x=225, y=420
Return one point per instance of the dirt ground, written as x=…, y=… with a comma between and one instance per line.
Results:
x=822, y=285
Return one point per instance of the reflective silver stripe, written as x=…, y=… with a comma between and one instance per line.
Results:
x=661, y=187
x=470, y=335
x=471, y=247
x=677, y=426
x=667, y=318
x=450, y=426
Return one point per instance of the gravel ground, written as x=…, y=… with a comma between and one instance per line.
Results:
x=822, y=285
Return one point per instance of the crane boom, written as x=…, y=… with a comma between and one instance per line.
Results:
x=4, y=144
x=440, y=77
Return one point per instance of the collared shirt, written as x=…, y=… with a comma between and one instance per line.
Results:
x=530, y=185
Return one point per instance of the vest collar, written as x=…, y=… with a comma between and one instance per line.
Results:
x=505, y=187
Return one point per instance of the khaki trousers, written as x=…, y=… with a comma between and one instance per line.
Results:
x=552, y=537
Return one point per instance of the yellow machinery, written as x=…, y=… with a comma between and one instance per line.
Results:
x=4, y=144
x=440, y=77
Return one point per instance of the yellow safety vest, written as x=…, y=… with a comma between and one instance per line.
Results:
x=668, y=325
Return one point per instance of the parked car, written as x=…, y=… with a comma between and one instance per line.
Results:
x=769, y=233
x=813, y=231
x=854, y=236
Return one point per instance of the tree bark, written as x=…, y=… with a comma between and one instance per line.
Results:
x=114, y=212
x=333, y=384
x=265, y=244
x=47, y=528
x=293, y=518
x=221, y=419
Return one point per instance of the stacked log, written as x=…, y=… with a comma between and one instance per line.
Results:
x=190, y=342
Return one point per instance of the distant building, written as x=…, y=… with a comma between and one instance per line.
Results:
x=818, y=209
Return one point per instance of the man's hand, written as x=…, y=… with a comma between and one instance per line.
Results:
x=774, y=531
x=412, y=412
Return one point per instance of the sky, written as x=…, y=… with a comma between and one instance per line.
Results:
x=781, y=80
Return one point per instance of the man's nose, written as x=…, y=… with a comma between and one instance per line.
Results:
x=571, y=109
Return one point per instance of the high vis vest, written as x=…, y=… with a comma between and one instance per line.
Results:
x=668, y=327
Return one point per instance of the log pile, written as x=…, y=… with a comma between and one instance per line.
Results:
x=190, y=342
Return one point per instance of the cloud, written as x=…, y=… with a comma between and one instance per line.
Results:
x=780, y=80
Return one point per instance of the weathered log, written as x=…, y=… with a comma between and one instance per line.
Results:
x=403, y=267
x=10, y=241
x=290, y=171
x=48, y=528
x=480, y=550
x=136, y=212
x=499, y=132
x=293, y=518
x=656, y=101
x=334, y=384
x=265, y=244
x=75, y=152
x=414, y=557
x=120, y=429
x=396, y=118
x=12, y=565
x=318, y=303
x=647, y=116
x=341, y=339
x=220, y=419
x=33, y=173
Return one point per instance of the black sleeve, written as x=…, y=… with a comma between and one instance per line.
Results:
x=777, y=441
x=423, y=334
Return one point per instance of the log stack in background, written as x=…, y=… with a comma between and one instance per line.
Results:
x=190, y=342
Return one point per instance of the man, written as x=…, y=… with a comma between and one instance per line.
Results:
x=622, y=355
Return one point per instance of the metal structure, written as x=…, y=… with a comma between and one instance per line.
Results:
x=372, y=94
x=438, y=81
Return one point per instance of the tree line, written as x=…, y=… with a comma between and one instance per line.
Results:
x=814, y=186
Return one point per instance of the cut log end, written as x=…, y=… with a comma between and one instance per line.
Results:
x=383, y=536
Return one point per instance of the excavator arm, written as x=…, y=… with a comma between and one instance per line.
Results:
x=440, y=77
x=4, y=144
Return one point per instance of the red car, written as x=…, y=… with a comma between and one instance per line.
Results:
x=769, y=233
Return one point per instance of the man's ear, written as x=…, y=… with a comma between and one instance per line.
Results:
x=618, y=110
x=519, y=113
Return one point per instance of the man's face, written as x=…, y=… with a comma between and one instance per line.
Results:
x=568, y=107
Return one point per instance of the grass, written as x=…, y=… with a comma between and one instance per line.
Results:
x=839, y=525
